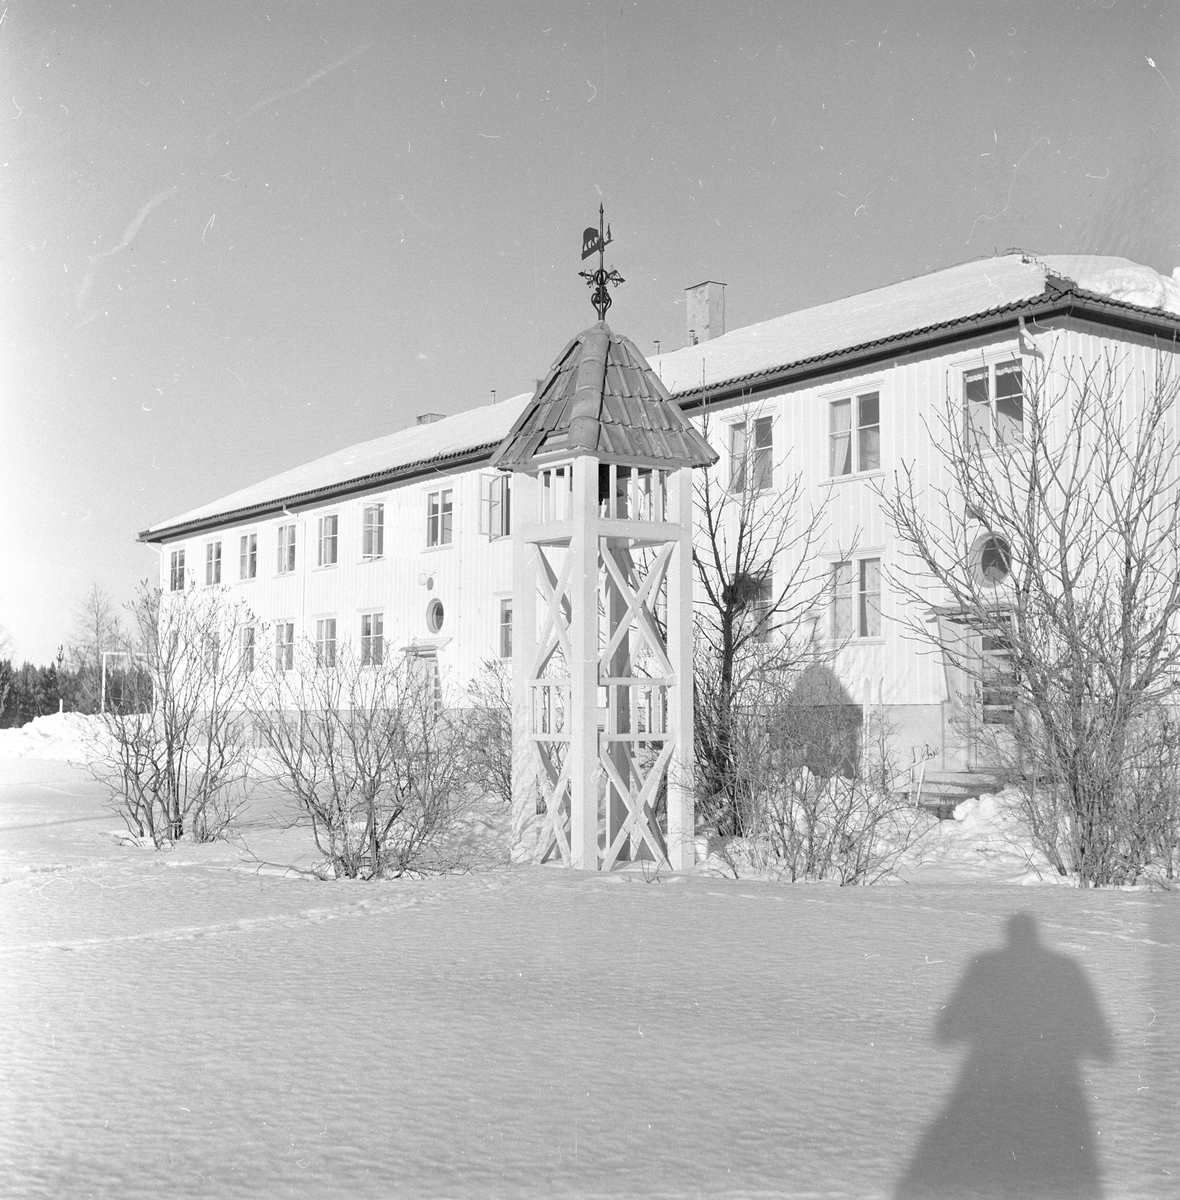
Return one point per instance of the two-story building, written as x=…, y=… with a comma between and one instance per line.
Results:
x=400, y=543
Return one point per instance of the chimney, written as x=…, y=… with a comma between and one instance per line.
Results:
x=706, y=311
x=429, y=418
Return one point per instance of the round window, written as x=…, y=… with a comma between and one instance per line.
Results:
x=434, y=615
x=995, y=560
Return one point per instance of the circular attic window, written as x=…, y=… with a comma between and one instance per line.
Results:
x=434, y=616
x=994, y=557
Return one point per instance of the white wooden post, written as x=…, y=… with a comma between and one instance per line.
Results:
x=583, y=591
x=681, y=807
x=525, y=822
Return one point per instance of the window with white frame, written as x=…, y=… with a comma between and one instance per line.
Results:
x=998, y=681
x=325, y=642
x=761, y=604
x=372, y=639
x=286, y=544
x=284, y=645
x=505, y=628
x=373, y=531
x=176, y=572
x=993, y=404
x=495, y=505
x=246, y=648
x=854, y=434
x=248, y=556
x=439, y=516
x=856, y=599
x=757, y=460
x=212, y=563
x=327, y=541
x=212, y=653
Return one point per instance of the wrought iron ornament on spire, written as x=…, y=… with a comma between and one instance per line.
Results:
x=592, y=240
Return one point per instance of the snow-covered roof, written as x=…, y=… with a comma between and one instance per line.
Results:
x=928, y=301
x=938, y=300
x=435, y=442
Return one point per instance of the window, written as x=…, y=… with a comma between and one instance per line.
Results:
x=176, y=575
x=998, y=681
x=495, y=506
x=212, y=563
x=246, y=648
x=286, y=549
x=212, y=653
x=325, y=642
x=505, y=628
x=993, y=557
x=439, y=515
x=856, y=599
x=758, y=459
x=373, y=531
x=329, y=526
x=434, y=616
x=760, y=610
x=248, y=556
x=372, y=639
x=993, y=404
x=859, y=415
x=284, y=645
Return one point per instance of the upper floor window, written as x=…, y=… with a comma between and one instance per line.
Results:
x=176, y=574
x=325, y=642
x=854, y=434
x=439, y=517
x=856, y=599
x=372, y=639
x=284, y=645
x=495, y=505
x=373, y=531
x=212, y=563
x=286, y=549
x=755, y=461
x=993, y=404
x=505, y=628
x=248, y=556
x=327, y=541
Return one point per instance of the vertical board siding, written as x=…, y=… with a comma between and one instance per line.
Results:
x=472, y=574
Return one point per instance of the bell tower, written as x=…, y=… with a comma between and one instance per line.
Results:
x=602, y=464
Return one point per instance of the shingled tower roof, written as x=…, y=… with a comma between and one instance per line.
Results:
x=601, y=397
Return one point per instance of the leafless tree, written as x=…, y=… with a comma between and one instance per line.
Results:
x=1046, y=567
x=96, y=629
x=754, y=549
x=373, y=759
x=174, y=756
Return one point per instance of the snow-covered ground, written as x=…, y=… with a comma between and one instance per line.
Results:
x=201, y=1023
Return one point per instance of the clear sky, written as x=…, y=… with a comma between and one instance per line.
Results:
x=240, y=235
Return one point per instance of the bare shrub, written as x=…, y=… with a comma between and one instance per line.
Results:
x=174, y=756
x=374, y=761
x=818, y=802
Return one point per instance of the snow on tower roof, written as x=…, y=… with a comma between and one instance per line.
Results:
x=601, y=397
x=893, y=315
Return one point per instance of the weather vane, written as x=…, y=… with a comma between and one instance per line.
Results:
x=592, y=240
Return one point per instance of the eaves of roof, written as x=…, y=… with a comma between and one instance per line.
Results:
x=1059, y=299
x=374, y=481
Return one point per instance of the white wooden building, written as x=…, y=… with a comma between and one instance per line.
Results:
x=401, y=543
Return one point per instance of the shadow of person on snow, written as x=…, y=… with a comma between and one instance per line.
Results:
x=1018, y=1123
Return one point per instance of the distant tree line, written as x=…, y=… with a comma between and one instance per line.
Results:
x=73, y=681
